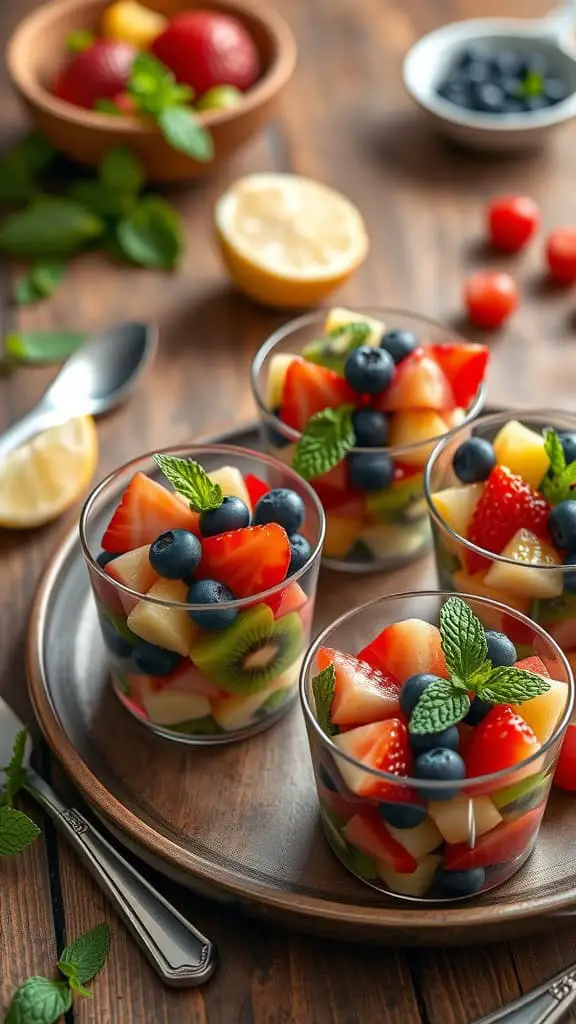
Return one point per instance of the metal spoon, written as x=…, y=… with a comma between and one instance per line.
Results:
x=93, y=380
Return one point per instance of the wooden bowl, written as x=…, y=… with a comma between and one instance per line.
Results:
x=37, y=49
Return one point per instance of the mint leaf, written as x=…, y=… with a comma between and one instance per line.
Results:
x=323, y=691
x=439, y=707
x=49, y=227
x=151, y=235
x=463, y=639
x=41, y=281
x=191, y=481
x=559, y=481
x=84, y=958
x=121, y=171
x=184, y=132
x=327, y=439
x=77, y=988
x=17, y=831
x=42, y=347
x=39, y=1001
x=24, y=292
x=512, y=686
x=15, y=772
x=555, y=452
x=79, y=40
x=22, y=165
x=153, y=86
x=100, y=199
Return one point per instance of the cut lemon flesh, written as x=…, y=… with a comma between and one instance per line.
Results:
x=288, y=240
x=44, y=477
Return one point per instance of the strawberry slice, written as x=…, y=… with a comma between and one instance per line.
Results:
x=292, y=599
x=405, y=648
x=362, y=694
x=145, y=511
x=247, y=561
x=504, y=843
x=500, y=741
x=308, y=389
x=464, y=366
x=419, y=383
x=533, y=664
x=368, y=833
x=256, y=488
x=381, y=745
x=507, y=504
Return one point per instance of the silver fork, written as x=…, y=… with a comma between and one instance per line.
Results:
x=178, y=952
x=545, y=1004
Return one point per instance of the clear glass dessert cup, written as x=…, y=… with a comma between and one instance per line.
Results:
x=545, y=593
x=480, y=829
x=221, y=685
x=380, y=530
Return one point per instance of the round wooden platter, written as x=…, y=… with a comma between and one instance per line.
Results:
x=240, y=823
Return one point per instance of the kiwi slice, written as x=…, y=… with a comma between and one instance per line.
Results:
x=395, y=498
x=252, y=652
x=333, y=350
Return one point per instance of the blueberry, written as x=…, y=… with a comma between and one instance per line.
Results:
x=211, y=593
x=533, y=63
x=474, y=460
x=402, y=815
x=473, y=53
x=489, y=98
x=115, y=642
x=104, y=558
x=370, y=472
x=439, y=765
x=399, y=342
x=477, y=711
x=479, y=72
x=513, y=107
x=455, y=92
x=512, y=87
x=274, y=438
x=570, y=577
x=326, y=779
x=562, y=525
x=461, y=883
x=535, y=103
x=413, y=689
x=448, y=738
x=282, y=506
x=175, y=554
x=501, y=650
x=301, y=551
x=568, y=442
x=369, y=370
x=154, y=661
x=233, y=514
x=506, y=63
x=555, y=90
x=370, y=428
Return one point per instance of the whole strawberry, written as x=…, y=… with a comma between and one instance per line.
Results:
x=100, y=72
x=206, y=48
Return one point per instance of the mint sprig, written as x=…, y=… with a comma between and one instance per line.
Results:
x=441, y=705
x=560, y=480
x=156, y=93
x=191, y=481
x=323, y=691
x=17, y=830
x=327, y=439
x=81, y=961
x=463, y=640
x=14, y=771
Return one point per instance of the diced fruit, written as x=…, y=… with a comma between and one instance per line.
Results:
x=277, y=371
x=231, y=482
x=340, y=317
x=341, y=535
x=133, y=569
x=406, y=487
x=415, y=884
x=533, y=664
x=501, y=740
x=204, y=48
x=464, y=367
x=454, y=417
x=308, y=389
x=171, y=707
x=526, y=548
x=462, y=819
x=491, y=296
x=419, y=383
x=413, y=426
x=385, y=541
x=145, y=511
x=233, y=713
x=332, y=350
x=419, y=841
x=383, y=746
x=565, y=775
x=247, y=561
x=159, y=624
x=343, y=503
x=292, y=599
x=256, y=488
x=474, y=583
x=132, y=22
x=522, y=451
x=406, y=648
x=187, y=679
x=543, y=712
x=366, y=832
x=506, y=505
x=362, y=694
x=100, y=72
x=521, y=796
x=456, y=506
x=505, y=843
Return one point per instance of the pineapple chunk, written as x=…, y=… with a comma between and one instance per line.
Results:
x=278, y=369
x=133, y=569
x=522, y=451
x=167, y=627
x=477, y=585
x=172, y=707
x=420, y=840
x=543, y=713
x=339, y=317
x=341, y=535
x=524, y=578
x=463, y=819
x=410, y=426
x=232, y=483
x=417, y=883
x=387, y=541
x=456, y=506
x=233, y=713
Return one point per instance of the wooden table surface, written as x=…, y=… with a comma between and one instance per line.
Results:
x=345, y=120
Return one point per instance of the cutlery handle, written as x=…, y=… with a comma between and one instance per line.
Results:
x=179, y=953
x=545, y=1004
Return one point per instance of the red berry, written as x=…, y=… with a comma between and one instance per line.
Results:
x=561, y=255
x=206, y=48
x=491, y=296
x=500, y=741
x=246, y=561
x=308, y=389
x=101, y=72
x=512, y=221
x=464, y=366
x=565, y=776
x=145, y=511
x=510, y=839
x=506, y=504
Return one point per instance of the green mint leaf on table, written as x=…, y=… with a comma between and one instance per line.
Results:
x=190, y=480
x=558, y=483
x=121, y=171
x=327, y=439
x=106, y=202
x=39, y=1001
x=41, y=281
x=15, y=772
x=22, y=165
x=463, y=639
x=151, y=234
x=42, y=347
x=184, y=132
x=49, y=227
x=511, y=686
x=323, y=691
x=84, y=958
x=440, y=706
x=17, y=831
x=79, y=40
x=105, y=106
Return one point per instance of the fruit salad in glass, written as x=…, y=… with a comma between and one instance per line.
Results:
x=433, y=742
x=502, y=498
x=355, y=402
x=203, y=563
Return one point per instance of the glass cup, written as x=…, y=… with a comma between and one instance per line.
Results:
x=182, y=681
x=380, y=530
x=545, y=593
x=465, y=837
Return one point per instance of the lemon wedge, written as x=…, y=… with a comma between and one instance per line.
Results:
x=288, y=241
x=44, y=477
